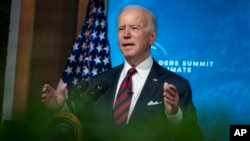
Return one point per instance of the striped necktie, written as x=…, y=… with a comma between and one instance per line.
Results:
x=123, y=100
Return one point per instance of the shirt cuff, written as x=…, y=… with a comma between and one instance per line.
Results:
x=176, y=118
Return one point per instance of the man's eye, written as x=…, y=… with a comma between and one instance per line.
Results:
x=120, y=29
x=135, y=28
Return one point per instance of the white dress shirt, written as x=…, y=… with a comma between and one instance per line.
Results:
x=139, y=80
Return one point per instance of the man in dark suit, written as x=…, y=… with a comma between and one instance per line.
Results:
x=161, y=106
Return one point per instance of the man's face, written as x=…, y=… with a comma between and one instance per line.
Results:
x=135, y=35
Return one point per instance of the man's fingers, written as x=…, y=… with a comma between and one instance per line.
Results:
x=168, y=96
x=170, y=102
x=171, y=97
x=47, y=91
x=165, y=86
x=44, y=90
x=47, y=87
x=44, y=95
x=172, y=89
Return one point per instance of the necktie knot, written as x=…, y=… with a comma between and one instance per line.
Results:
x=131, y=71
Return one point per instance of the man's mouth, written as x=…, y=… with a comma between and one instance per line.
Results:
x=127, y=44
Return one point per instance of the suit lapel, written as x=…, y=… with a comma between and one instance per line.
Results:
x=115, y=73
x=153, y=83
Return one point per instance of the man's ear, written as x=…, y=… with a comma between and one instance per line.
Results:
x=152, y=36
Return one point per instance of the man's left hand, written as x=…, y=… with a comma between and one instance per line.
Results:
x=171, y=98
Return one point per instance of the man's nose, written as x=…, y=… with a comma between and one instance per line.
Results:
x=127, y=33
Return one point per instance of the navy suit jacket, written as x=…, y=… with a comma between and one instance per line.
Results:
x=147, y=122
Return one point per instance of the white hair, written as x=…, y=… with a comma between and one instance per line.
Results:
x=150, y=15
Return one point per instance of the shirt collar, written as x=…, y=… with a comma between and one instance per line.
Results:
x=143, y=66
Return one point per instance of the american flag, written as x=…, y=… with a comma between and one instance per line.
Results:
x=90, y=54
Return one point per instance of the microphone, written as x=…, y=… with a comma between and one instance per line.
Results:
x=94, y=93
x=78, y=90
x=75, y=94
